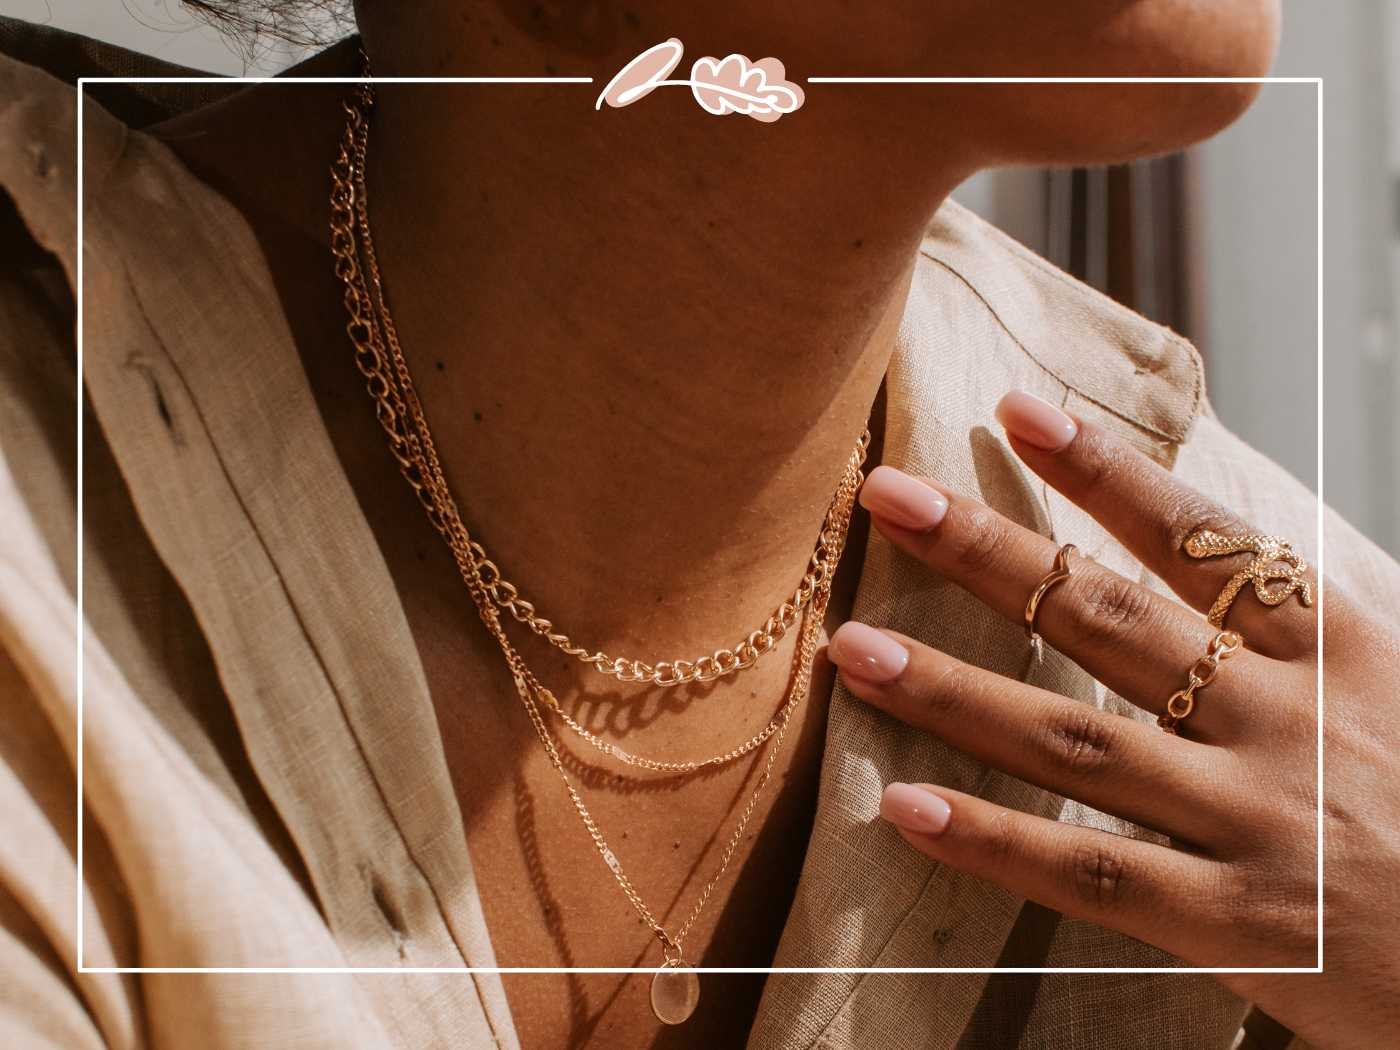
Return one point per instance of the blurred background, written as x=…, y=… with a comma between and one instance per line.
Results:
x=1220, y=242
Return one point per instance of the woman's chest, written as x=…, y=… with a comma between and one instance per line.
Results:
x=715, y=854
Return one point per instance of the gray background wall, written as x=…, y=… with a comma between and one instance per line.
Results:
x=1255, y=261
x=1257, y=186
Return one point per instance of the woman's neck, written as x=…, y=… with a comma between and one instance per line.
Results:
x=646, y=339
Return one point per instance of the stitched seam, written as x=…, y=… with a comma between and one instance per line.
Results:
x=1078, y=288
x=1080, y=292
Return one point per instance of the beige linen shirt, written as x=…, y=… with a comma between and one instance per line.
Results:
x=263, y=780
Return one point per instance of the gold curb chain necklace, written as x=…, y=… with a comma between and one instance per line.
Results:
x=675, y=988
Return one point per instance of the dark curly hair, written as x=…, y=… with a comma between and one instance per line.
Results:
x=305, y=23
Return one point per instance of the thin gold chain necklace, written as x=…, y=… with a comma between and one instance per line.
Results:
x=675, y=990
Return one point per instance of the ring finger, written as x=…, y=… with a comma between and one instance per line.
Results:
x=1115, y=765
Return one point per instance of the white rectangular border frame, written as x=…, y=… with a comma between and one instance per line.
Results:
x=1317, y=82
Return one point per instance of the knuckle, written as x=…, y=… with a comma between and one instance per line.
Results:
x=1081, y=741
x=978, y=542
x=1103, y=460
x=999, y=844
x=1098, y=876
x=1188, y=512
x=948, y=690
x=1110, y=607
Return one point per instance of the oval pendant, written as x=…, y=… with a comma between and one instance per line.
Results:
x=674, y=994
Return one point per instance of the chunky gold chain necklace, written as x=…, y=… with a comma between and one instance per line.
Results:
x=665, y=673
x=675, y=990
x=668, y=673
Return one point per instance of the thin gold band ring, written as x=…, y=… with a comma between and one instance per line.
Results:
x=1058, y=574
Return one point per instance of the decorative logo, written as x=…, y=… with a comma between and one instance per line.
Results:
x=731, y=84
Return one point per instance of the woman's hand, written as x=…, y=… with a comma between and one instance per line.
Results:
x=1235, y=791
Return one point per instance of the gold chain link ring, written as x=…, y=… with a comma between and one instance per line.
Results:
x=1202, y=673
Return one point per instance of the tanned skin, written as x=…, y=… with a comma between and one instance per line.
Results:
x=646, y=340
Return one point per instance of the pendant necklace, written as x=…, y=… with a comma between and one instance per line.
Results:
x=675, y=986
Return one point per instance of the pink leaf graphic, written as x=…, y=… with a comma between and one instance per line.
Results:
x=642, y=75
x=732, y=85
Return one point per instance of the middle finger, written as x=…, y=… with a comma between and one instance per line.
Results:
x=1138, y=643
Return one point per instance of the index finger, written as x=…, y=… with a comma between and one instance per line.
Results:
x=1153, y=514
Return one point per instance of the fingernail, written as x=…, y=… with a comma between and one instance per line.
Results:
x=914, y=809
x=863, y=651
x=906, y=501
x=1036, y=422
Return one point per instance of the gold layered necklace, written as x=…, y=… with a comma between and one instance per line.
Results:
x=675, y=988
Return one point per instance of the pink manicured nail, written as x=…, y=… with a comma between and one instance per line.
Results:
x=914, y=809
x=1036, y=422
x=908, y=502
x=863, y=651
